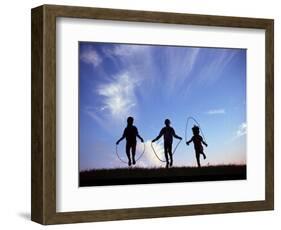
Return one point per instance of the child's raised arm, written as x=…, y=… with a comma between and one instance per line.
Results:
x=175, y=135
x=123, y=136
x=139, y=136
x=160, y=134
x=204, y=143
x=188, y=142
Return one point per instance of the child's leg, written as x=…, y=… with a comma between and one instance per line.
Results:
x=134, y=153
x=203, y=155
x=128, y=146
x=170, y=154
x=166, y=155
x=198, y=159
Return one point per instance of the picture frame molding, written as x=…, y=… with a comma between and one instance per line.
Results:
x=43, y=111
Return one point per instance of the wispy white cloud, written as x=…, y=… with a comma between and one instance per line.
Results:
x=213, y=70
x=91, y=56
x=118, y=96
x=92, y=112
x=95, y=114
x=242, y=130
x=190, y=60
x=142, y=63
x=124, y=50
x=117, y=93
x=137, y=61
x=216, y=111
x=178, y=64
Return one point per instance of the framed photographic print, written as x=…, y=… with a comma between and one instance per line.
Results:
x=140, y=114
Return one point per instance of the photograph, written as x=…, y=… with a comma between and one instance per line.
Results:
x=152, y=113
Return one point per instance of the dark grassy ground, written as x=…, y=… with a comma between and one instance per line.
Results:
x=122, y=176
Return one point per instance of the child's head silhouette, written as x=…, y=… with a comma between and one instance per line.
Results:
x=167, y=122
x=130, y=120
x=195, y=130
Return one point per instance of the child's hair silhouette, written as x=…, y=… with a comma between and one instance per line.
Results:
x=168, y=132
x=130, y=133
x=197, y=141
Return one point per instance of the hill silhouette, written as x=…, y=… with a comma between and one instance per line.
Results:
x=123, y=176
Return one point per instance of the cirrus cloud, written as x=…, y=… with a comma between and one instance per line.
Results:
x=91, y=56
x=242, y=130
x=216, y=111
x=118, y=96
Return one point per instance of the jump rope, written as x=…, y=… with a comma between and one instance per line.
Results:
x=126, y=162
x=155, y=153
x=153, y=149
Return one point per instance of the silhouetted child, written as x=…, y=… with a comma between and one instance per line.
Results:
x=168, y=132
x=197, y=141
x=131, y=134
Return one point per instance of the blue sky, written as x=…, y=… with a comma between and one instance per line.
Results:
x=152, y=83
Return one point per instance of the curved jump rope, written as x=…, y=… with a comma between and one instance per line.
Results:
x=126, y=162
x=151, y=144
